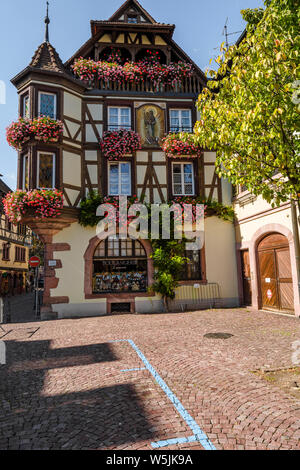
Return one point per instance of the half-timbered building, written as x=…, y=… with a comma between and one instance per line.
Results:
x=85, y=275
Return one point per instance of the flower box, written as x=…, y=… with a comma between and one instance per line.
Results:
x=134, y=72
x=37, y=203
x=180, y=146
x=120, y=144
x=42, y=129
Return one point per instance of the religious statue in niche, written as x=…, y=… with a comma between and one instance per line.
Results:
x=150, y=125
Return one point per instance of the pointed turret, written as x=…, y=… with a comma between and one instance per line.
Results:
x=45, y=59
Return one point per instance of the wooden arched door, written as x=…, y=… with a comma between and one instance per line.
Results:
x=275, y=273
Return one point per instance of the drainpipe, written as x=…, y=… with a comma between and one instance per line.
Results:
x=296, y=240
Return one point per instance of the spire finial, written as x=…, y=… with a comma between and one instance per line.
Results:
x=47, y=21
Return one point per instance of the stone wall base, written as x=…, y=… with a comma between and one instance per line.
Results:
x=96, y=309
x=48, y=314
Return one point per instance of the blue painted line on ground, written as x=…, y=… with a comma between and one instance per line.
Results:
x=131, y=370
x=198, y=434
x=171, y=442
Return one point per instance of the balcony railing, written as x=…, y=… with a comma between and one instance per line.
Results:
x=191, y=85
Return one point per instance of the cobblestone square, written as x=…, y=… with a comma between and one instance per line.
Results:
x=72, y=384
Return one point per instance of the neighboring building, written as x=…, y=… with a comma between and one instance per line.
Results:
x=86, y=276
x=14, y=252
x=266, y=254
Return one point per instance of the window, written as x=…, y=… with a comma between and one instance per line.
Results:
x=47, y=104
x=180, y=120
x=25, y=172
x=8, y=224
x=119, y=266
x=21, y=229
x=6, y=251
x=132, y=19
x=20, y=254
x=119, y=118
x=119, y=179
x=46, y=170
x=26, y=106
x=183, y=179
x=192, y=269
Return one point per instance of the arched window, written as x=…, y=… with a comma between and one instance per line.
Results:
x=151, y=54
x=114, y=54
x=119, y=266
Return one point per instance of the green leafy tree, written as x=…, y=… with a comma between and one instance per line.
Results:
x=249, y=111
x=168, y=263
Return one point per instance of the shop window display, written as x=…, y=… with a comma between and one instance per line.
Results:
x=119, y=266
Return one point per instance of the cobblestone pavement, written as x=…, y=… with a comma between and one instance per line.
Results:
x=63, y=385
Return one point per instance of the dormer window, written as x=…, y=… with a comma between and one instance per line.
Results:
x=47, y=104
x=132, y=19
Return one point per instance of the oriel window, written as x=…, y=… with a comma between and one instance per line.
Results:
x=119, y=118
x=46, y=170
x=180, y=120
x=47, y=104
x=119, y=179
x=183, y=179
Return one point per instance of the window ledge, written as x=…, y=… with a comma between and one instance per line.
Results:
x=120, y=295
x=191, y=283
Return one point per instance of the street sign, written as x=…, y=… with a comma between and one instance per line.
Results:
x=34, y=261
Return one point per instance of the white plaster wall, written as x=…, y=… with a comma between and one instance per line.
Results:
x=245, y=229
x=71, y=168
x=220, y=256
x=72, y=106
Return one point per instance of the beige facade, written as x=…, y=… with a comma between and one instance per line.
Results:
x=256, y=220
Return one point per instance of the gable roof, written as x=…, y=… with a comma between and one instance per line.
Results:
x=131, y=4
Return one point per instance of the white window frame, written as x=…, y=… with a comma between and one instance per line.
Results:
x=119, y=182
x=23, y=173
x=39, y=102
x=38, y=168
x=119, y=125
x=182, y=178
x=180, y=118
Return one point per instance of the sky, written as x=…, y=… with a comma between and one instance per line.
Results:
x=199, y=27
